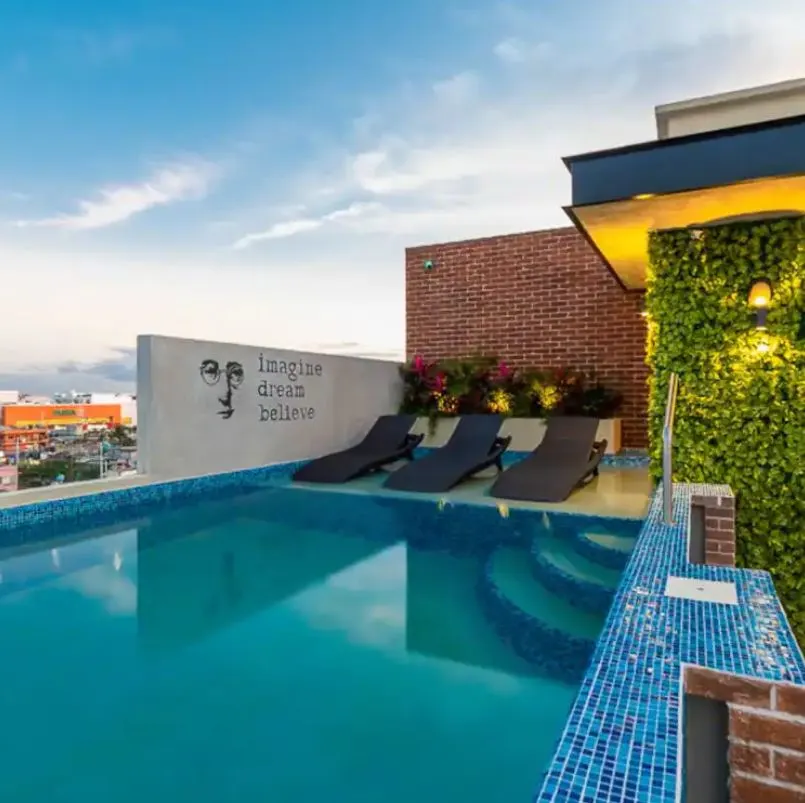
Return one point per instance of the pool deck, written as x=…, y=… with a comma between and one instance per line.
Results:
x=622, y=740
x=615, y=493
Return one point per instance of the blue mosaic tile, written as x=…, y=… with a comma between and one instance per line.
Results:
x=585, y=595
x=62, y=517
x=621, y=741
x=462, y=530
x=633, y=459
x=598, y=553
x=556, y=653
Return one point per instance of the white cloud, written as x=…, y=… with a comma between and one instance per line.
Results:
x=115, y=204
x=457, y=90
x=514, y=50
x=290, y=228
x=286, y=301
x=479, y=152
x=473, y=150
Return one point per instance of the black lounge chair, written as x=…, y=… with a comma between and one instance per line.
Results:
x=473, y=446
x=386, y=442
x=567, y=458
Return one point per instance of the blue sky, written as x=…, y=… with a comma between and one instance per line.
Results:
x=252, y=171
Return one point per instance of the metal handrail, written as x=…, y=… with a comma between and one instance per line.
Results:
x=667, y=451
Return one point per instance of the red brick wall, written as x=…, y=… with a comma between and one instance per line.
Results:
x=766, y=733
x=540, y=299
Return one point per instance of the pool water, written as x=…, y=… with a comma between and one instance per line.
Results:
x=282, y=645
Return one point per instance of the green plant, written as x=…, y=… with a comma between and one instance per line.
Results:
x=468, y=382
x=44, y=473
x=120, y=436
x=484, y=385
x=741, y=406
x=584, y=394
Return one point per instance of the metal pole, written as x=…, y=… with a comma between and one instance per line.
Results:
x=667, y=451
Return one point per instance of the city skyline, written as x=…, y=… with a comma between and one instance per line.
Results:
x=253, y=174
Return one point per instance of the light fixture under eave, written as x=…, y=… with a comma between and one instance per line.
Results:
x=759, y=299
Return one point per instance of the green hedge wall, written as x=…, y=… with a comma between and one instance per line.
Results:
x=741, y=403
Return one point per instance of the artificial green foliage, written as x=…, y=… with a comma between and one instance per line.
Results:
x=740, y=416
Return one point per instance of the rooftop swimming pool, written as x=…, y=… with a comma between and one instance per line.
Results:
x=293, y=645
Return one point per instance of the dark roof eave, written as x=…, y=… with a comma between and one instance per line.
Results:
x=659, y=144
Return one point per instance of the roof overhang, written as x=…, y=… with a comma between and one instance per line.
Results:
x=620, y=195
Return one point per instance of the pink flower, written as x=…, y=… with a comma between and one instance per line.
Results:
x=504, y=371
x=418, y=365
x=439, y=383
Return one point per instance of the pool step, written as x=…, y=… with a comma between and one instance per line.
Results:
x=606, y=549
x=585, y=585
x=540, y=626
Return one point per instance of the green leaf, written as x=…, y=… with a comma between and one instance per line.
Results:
x=740, y=413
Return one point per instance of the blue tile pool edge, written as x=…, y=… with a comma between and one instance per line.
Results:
x=28, y=513
x=621, y=460
x=623, y=739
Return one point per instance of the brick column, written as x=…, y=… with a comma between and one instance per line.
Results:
x=719, y=528
x=766, y=733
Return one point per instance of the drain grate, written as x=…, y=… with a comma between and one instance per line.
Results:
x=701, y=590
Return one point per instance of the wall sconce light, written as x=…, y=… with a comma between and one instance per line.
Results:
x=428, y=265
x=759, y=300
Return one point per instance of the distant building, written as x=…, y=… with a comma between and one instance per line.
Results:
x=127, y=402
x=50, y=416
x=13, y=439
x=8, y=479
x=9, y=397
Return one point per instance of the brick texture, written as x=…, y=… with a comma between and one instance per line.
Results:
x=541, y=299
x=719, y=529
x=767, y=734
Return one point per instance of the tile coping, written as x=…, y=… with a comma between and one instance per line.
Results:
x=622, y=738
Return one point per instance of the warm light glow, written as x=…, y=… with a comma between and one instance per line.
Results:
x=644, y=196
x=763, y=347
x=760, y=294
x=620, y=229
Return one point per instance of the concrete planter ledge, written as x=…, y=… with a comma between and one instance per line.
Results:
x=526, y=433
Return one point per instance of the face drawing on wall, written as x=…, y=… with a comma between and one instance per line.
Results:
x=233, y=374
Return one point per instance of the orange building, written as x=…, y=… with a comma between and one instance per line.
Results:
x=24, y=438
x=59, y=415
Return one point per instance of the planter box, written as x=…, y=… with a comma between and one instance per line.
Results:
x=526, y=432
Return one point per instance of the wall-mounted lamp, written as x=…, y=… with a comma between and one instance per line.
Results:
x=759, y=300
x=428, y=264
x=643, y=307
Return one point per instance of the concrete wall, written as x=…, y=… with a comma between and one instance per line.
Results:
x=282, y=405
